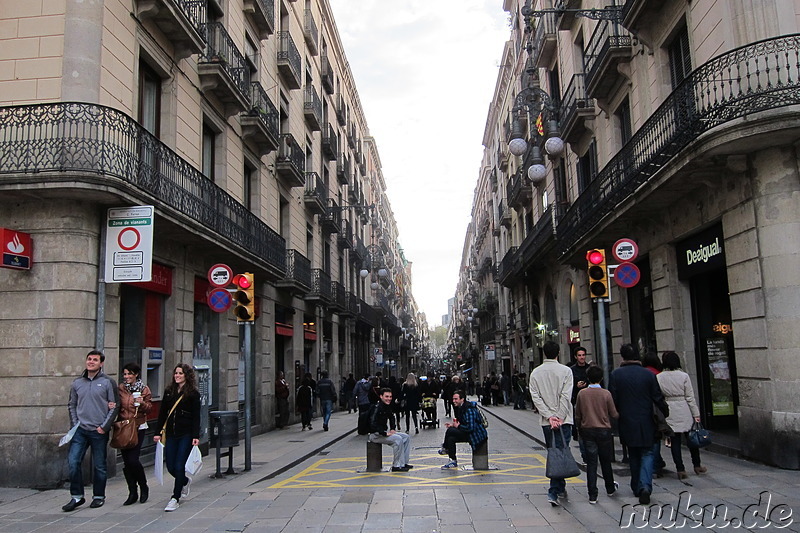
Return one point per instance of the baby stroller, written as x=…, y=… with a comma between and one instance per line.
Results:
x=429, y=417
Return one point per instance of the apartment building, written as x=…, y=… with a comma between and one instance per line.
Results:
x=678, y=125
x=240, y=123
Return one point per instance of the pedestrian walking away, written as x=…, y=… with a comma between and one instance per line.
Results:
x=303, y=403
x=635, y=391
x=409, y=401
x=349, y=385
x=467, y=426
x=381, y=419
x=93, y=407
x=326, y=392
x=179, y=425
x=282, y=397
x=135, y=403
x=551, y=392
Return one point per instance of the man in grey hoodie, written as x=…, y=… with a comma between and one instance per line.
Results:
x=93, y=405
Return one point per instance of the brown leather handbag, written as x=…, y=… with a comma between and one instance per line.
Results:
x=126, y=433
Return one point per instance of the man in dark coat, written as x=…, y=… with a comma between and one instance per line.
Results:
x=635, y=391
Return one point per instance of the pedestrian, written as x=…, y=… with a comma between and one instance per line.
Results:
x=135, y=402
x=579, y=382
x=447, y=395
x=93, y=407
x=179, y=424
x=303, y=402
x=326, y=392
x=594, y=410
x=381, y=419
x=636, y=392
x=683, y=411
x=505, y=388
x=282, y=401
x=349, y=385
x=551, y=391
x=520, y=390
x=467, y=426
x=455, y=384
x=409, y=400
x=652, y=363
x=361, y=393
x=313, y=384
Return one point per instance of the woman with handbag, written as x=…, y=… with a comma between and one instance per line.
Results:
x=179, y=425
x=683, y=412
x=135, y=403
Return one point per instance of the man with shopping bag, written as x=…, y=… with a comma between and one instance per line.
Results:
x=551, y=392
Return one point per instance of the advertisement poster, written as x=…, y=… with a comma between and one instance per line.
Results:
x=720, y=377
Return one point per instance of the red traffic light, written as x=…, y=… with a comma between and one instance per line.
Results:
x=242, y=281
x=595, y=257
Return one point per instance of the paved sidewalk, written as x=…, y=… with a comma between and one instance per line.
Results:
x=257, y=501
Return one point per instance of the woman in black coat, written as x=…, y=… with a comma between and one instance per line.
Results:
x=410, y=397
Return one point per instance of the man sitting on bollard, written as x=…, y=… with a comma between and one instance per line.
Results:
x=381, y=417
x=467, y=426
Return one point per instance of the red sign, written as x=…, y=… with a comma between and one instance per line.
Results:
x=627, y=275
x=220, y=275
x=219, y=300
x=17, y=249
x=625, y=250
x=573, y=334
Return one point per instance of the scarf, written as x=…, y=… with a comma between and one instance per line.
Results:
x=136, y=386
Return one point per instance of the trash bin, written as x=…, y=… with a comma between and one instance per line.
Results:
x=224, y=429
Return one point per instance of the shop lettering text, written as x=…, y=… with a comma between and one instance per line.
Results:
x=703, y=253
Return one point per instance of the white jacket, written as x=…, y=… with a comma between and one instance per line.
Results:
x=677, y=389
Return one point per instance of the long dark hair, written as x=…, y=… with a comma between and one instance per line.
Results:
x=189, y=386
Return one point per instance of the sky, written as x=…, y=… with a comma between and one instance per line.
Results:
x=425, y=72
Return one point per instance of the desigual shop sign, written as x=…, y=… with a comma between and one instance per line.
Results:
x=701, y=253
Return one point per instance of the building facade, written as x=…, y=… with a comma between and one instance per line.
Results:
x=679, y=125
x=240, y=123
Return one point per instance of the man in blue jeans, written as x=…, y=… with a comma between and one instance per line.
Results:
x=551, y=392
x=635, y=391
x=90, y=399
x=326, y=392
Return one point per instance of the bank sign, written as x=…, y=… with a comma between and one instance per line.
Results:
x=701, y=253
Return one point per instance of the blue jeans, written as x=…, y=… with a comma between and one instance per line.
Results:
x=327, y=409
x=176, y=452
x=557, y=485
x=82, y=440
x=641, y=463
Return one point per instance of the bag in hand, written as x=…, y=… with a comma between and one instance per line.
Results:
x=699, y=437
x=126, y=434
x=560, y=463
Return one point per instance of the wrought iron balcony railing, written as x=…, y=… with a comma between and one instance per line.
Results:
x=261, y=121
x=263, y=14
x=609, y=45
x=289, y=60
x=291, y=161
x=576, y=107
x=298, y=272
x=51, y=139
x=337, y=296
x=312, y=108
x=320, y=286
x=331, y=219
x=330, y=143
x=757, y=77
x=506, y=267
x=222, y=52
x=310, y=32
x=181, y=21
x=315, y=194
x=520, y=191
x=544, y=39
x=326, y=74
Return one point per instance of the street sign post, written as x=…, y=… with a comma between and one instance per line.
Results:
x=129, y=244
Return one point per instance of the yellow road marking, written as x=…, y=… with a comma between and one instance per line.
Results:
x=512, y=469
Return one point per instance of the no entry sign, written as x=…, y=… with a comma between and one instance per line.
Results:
x=627, y=275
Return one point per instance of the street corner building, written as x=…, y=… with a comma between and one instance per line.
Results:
x=148, y=151
x=661, y=136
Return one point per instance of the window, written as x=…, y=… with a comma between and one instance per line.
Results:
x=149, y=99
x=208, y=149
x=623, y=119
x=560, y=185
x=251, y=57
x=587, y=167
x=284, y=221
x=680, y=61
x=247, y=187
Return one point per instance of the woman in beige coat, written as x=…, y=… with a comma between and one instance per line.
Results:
x=683, y=412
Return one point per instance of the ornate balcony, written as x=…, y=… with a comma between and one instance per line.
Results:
x=545, y=40
x=367, y=314
x=353, y=191
x=338, y=303
x=260, y=123
x=537, y=242
x=359, y=251
x=311, y=33
x=312, y=108
x=507, y=266
x=331, y=219
x=223, y=71
x=341, y=110
x=179, y=20
x=104, y=148
x=343, y=171
x=298, y=273
x=289, y=61
x=291, y=161
x=500, y=323
x=330, y=143
x=609, y=47
x=576, y=109
x=326, y=74
x=262, y=13
x=315, y=195
x=520, y=192
x=345, y=237
x=320, y=287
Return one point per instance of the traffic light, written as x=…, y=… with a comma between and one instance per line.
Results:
x=598, y=273
x=244, y=297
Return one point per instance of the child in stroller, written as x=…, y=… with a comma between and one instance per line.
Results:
x=429, y=416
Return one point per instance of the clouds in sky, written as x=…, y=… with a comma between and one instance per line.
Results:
x=425, y=71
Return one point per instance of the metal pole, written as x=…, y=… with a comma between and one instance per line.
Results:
x=601, y=320
x=248, y=393
x=100, y=320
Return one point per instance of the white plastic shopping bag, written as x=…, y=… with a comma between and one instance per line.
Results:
x=195, y=461
x=68, y=437
x=158, y=472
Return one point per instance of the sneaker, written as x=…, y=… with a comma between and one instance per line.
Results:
x=616, y=487
x=593, y=500
x=172, y=505
x=442, y=451
x=73, y=503
x=451, y=464
x=553, y=500
x=186, y=489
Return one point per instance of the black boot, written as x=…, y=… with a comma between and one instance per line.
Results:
x=133, y=496
x=143, y=488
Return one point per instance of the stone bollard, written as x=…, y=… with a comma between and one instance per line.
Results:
x=374, y=457
x=480, y=456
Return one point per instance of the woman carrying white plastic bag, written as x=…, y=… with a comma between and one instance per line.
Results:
x=195, y=461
